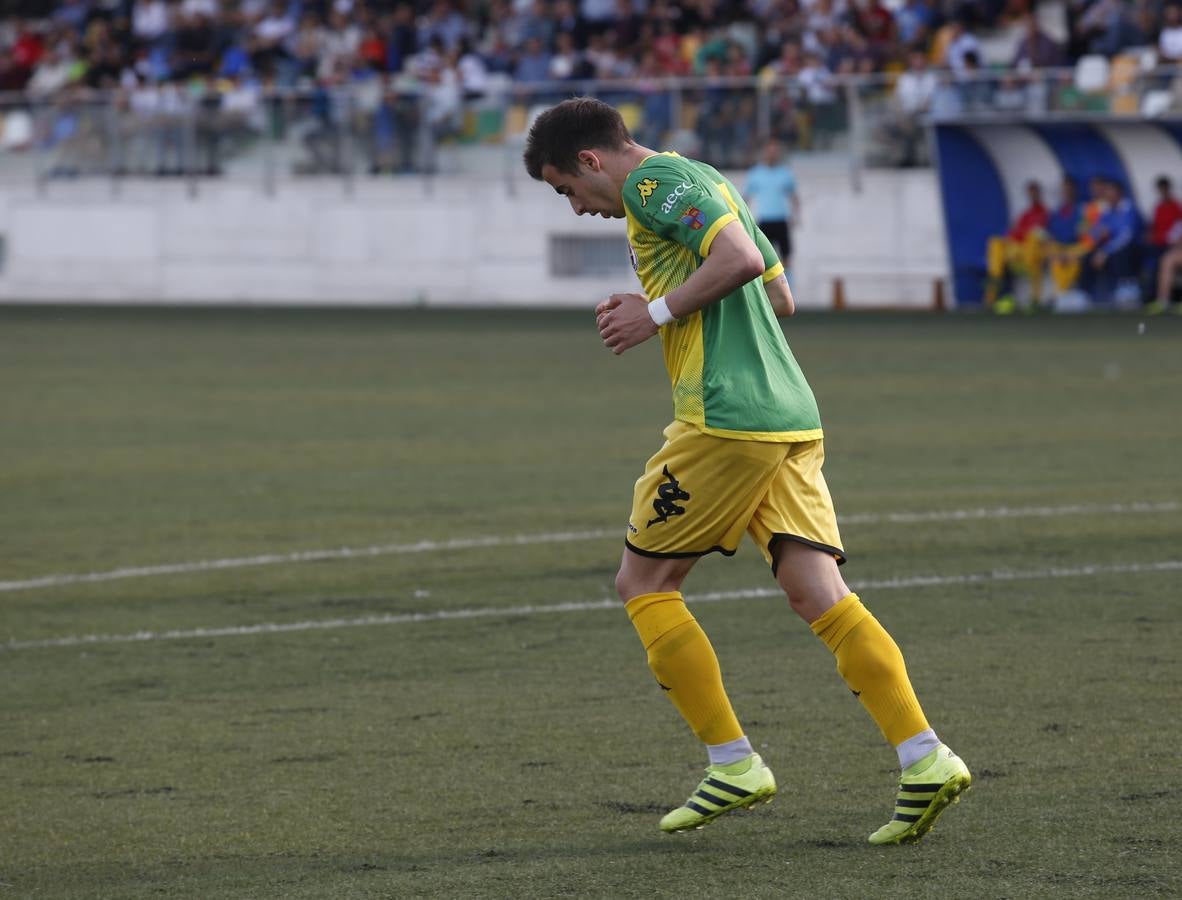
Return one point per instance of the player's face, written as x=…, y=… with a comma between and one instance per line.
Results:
x=590, y=192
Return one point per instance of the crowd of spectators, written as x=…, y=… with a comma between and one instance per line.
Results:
x=225, y=57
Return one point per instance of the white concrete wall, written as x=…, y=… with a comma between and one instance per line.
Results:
x=465, y=241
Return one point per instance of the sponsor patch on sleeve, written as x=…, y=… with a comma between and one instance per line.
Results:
x=693, y=218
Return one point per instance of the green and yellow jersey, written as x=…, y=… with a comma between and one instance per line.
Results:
x=732, y=371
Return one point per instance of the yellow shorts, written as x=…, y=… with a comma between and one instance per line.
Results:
x=699, y=493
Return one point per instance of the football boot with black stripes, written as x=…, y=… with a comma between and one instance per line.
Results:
x=925, y=790
x=721, y=791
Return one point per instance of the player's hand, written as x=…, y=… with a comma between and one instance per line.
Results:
x=1099, y=259
x=624, y=322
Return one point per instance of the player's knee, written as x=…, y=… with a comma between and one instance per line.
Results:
x=796, y=599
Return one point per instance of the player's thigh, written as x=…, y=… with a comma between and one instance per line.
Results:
x=698, y=493
x=797, y=506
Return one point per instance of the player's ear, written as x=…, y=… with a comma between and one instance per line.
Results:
x=590, y=159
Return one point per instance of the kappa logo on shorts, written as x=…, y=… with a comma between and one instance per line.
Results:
x=667, y=496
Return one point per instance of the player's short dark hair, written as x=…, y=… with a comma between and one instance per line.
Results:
x=561, y=132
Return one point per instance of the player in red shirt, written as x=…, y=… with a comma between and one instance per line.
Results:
x=1163, y=246
x=1017, y=252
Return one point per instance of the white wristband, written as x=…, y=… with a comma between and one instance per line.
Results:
x=659, y=310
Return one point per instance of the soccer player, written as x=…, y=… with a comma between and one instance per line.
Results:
x=744, y=453
x=1019, y=249
x=1164, y=232
x=1066, y=256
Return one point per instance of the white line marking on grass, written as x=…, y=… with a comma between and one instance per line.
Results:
x=444, y=615
x=1008, y=512
x=561, y=537
x=301, y=556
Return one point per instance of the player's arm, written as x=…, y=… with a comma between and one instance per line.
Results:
x=624, y=319
x=780, y=295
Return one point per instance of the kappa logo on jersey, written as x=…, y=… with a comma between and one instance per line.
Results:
x=674, y=196
x=645, y=187
x=667, y=496
x=694, y=218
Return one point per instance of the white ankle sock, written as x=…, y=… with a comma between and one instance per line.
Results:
x=730, y=752
x=916, y=748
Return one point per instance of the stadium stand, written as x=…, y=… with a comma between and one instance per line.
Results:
x=199, y=79
x=271, y=88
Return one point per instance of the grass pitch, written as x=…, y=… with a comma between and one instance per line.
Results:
x=528, y=753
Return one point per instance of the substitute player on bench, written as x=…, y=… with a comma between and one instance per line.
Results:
x=744, y=454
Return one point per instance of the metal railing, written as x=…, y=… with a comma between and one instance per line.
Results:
x=389, y=127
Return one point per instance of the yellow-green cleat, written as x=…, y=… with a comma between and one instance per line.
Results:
x=925, y=790
x=722, y=790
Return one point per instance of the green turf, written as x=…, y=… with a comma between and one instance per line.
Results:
x=532, y=755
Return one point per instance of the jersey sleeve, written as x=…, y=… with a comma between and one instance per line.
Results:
x=673, y=202
x=772, y=266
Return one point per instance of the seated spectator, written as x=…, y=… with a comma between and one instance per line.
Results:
x=821, y=15
x=1169, y=41
x=150, y=20
x=715, y=118
x=1167, y=214
x=847, y=52
x=825, y=113
x=305, y=47
x=53, y=73
x=533, y=62
x=567, y=20
x=26, y=52
x=875, y=23
x=532, y=24
x=323, y=140
x=472, y=71
x=403, y=37
x=952, y=44
x=1016, y=252
x=902, y=130
x=340, y=43
x=976, y=89
x=914, y=21
x=270, y=35
x=656, y=119
x=371, y=51
x=1036, y=49
x=445, y=23
x=1104, y=28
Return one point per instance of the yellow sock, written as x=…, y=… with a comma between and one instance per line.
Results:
x=871, y=664
x=680, y=655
